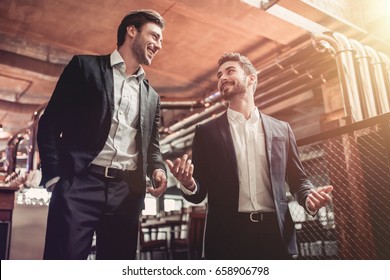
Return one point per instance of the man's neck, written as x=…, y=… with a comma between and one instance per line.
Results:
x=243, y=106
x=131, y=64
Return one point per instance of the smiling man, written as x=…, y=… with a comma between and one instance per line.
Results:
x=241, y=162
x=98, y=140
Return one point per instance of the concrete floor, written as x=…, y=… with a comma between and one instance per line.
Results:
x=28, y=232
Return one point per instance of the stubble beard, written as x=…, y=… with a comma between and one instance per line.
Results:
x=139, y=51
x=238, y=89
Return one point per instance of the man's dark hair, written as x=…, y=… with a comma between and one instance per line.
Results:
x=244, y=62
x=138, y=18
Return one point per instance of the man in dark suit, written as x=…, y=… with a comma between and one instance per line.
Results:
x=98, y=140
x=241, y=162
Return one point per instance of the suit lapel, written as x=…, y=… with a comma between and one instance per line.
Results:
x=224, y=130
x=108, y=81
x=143, y=105
x=268, y=137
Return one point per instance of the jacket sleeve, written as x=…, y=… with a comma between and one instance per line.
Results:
x=154, y=154
x=201, y=174
x=296, y=176
x=51, y=123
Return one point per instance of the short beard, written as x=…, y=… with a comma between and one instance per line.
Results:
x=237, y=90
x=139, y=52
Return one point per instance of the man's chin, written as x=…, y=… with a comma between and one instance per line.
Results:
x=226, y=95
x=148, y=60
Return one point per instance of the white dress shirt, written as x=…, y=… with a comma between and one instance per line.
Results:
x=252, y=164
x=120, y=149
x=249, y=145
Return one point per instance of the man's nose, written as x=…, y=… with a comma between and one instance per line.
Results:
x=159, y=45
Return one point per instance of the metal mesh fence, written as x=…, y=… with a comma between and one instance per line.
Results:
x=356, y=225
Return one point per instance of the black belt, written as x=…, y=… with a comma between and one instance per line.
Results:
x=112, y=172
x=258, y=217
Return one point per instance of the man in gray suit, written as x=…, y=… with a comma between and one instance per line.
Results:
x=241, y=162
x=98, y=140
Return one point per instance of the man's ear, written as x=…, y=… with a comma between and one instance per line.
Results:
x=252, y=79
x=131, y=31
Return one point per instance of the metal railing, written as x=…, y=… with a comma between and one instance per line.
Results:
x=355, y=159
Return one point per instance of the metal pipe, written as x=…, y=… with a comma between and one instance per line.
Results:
x=288, y=78
x=196, y=117
x=168, y=142
x=181, y=104
x=326, y=43
x=380, y=80
x=386, y=73
x=347, y=57
x=301, y=87
x=16, y=107
x=369, y=104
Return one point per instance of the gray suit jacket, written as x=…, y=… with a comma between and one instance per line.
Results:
x=76, y=122
x=216, y=176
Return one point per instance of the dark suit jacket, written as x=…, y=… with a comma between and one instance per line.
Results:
x=216, y=176
x=76, y=122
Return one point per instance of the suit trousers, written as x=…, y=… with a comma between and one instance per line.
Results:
x=88, y=203
x=258, y=238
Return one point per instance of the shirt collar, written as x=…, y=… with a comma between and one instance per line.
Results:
x=236, y=116
x=117, y=61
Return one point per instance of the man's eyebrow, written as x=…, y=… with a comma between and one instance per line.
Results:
x=156, y=34
x=227, y=68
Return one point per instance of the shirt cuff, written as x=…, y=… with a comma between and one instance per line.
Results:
x=161, y=170
x=51, y=183
x=187, y=191
x=310, y=212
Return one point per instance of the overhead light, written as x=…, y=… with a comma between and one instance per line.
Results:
x=287, y=15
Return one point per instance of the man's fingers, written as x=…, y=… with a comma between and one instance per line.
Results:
x=183, y=163
x=327, y=189
x=326, y=196
x=187, y=167
x=169, y=163
x=159, y=190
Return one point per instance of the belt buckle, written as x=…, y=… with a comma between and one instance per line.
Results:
x=106, y=170
x=252, y=218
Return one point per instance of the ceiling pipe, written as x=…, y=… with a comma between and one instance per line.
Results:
x=287, y=77
x=369, y=102
x=279, y=94
x=386, y=73
x=348, y=63
x=19, y=108
x=196, y=117
x=287, y=59
x=386, y=63
x=181, y=105
x=169, y=142
x=379, y=76
x=326, y=43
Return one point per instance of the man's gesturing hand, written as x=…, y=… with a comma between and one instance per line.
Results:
x=182, y=169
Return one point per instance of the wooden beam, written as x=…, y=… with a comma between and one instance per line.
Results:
x=30, y=64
